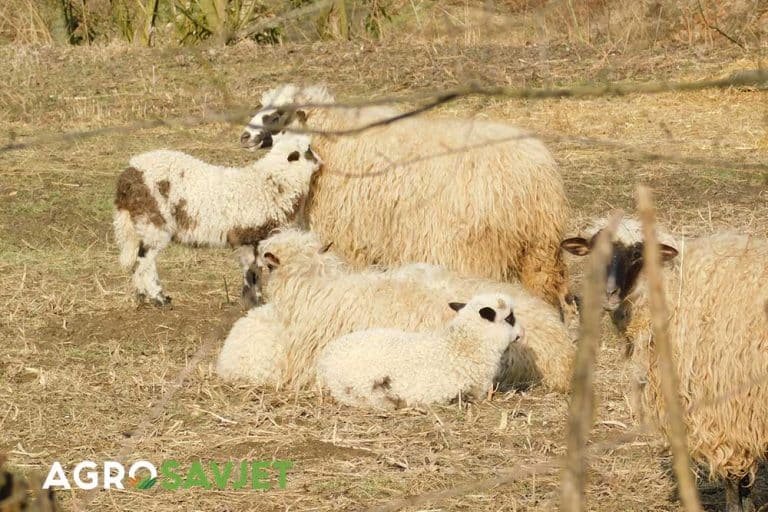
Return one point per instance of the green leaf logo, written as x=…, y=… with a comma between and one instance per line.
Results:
x=147, y=483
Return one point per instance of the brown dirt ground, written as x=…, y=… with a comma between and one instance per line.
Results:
x=80, y=365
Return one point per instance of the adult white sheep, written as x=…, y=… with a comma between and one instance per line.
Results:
x=166, y=196
x=318, y=298
x=390, y=368
x=479, y=197
x=719, y=337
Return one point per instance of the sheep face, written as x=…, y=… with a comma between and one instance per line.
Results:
x=266, y=124
x=297, y=148
x=491, y=310
x=273, y=118
x=623, y=268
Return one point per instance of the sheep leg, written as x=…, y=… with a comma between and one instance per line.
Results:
x=145, y=277
x=251, y=293
x=737, y=497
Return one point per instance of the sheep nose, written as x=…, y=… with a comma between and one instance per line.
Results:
x=244, y=139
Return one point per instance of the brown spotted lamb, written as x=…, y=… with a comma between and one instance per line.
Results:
x=166, y=196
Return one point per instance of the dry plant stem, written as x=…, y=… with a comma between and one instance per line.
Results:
x=240, y=115
x=582, y=405
x=669, y=381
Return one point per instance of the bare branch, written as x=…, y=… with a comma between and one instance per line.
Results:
x=581, y=410
x=717, y=29
x=669, y=380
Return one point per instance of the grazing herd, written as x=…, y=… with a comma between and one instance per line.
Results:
x=421, y=261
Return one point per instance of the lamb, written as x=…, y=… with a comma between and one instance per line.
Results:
x=254, y=347
x=318, y=297
x=166, y=196
x=479, y=197
x=390, y=368
x=719, y=336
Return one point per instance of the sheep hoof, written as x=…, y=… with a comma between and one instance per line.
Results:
x=162, y=301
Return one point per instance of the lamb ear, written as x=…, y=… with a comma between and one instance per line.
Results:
x=457, y=306
x=576, y=245
x=667, y=252
x=271, y=259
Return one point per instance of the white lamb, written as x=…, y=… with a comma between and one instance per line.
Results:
x=390, y=368
x=166, y=196
x=254, y=346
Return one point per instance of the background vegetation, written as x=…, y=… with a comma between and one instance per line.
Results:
x=221, y=22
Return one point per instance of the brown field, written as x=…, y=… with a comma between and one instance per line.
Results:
x=81, y=365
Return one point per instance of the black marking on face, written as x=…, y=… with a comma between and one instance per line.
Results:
x=142, y=250
x=251, y=277
x=293, y=156
x=310, y=156
x=510, y=319
x=456, y=306
x=625, y=265
x=488, y=314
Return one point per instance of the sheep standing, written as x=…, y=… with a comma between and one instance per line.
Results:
x=317, y=298
x=166, y=196
x=390, y=368
x=719, y=337
x=479, y=197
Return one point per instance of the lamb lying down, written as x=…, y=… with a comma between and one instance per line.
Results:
x=390, y=368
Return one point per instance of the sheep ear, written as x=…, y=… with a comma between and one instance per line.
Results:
x=576, y=245
x=271, y=259
x=488, y=313
x=325, y=248
x=301, y=116
x=667, y=252
x=456, y=306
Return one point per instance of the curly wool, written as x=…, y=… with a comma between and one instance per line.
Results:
x=254, y=348
x=390, y=368
x=318, y=298
x=167, y=196
x=719, y=334
x=479, y=197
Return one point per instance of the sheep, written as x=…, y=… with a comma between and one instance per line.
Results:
x=390, y=368
x=254, y=348
x=719, y=336
x=166, y=196
x=479, y=197
x=318, y=297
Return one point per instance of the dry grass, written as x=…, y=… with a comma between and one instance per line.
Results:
x=81, y=366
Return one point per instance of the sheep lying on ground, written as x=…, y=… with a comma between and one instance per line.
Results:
x=479, y=197
x=318, y=298
x=390, y=368
x=166, y=196
x=254, y=348
x=719, y=336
